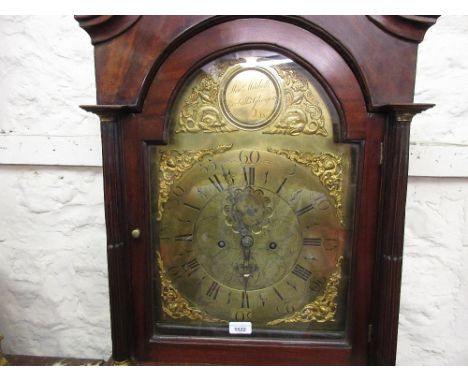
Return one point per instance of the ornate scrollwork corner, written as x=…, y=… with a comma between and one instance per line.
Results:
x=323, y=308
x=201, y=111
x=327, y=167
x=174, y=163
x=173, y=304
x=302, y=112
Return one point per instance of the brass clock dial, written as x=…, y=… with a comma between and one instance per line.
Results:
x=246, y=240
x=251, y=199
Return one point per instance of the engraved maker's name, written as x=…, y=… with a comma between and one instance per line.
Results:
x=253, y=94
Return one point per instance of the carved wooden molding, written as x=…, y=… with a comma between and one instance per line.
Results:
x=412, y=28
x=108, y=113
x=103, y=28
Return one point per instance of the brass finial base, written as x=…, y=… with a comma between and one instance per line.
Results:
x=3, y=360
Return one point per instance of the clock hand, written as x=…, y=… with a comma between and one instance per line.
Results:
x=247, y=268
x=235, y=214
x=246, y=243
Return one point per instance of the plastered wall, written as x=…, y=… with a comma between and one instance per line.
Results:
x=53, y=275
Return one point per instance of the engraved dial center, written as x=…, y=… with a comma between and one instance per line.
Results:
x=234, y=248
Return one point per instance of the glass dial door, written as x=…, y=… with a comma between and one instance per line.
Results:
x=252, y=203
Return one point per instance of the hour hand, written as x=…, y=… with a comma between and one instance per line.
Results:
x=246, y=243
x=247, y=268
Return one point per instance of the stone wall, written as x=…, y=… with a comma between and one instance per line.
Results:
x=53, y=272
x=53, y=277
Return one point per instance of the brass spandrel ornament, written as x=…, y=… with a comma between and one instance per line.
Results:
x=173, y=304
x=252, y=226
x=173, y=164
x=201, y=111
x=327, y=167
x=302, y=110
x=234, y=95
x=322, y=308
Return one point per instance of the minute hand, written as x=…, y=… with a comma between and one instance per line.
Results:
x=246, y=269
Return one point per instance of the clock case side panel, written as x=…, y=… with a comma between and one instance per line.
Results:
x=268, y=34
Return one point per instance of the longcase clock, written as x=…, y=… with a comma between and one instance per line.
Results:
x=255, y=174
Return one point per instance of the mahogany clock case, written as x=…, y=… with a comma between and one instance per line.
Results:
x=142, y=63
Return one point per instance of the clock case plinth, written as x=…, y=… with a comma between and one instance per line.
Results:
x=140, y=61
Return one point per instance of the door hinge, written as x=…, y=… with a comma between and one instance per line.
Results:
x=369, y=333
x=381, y=153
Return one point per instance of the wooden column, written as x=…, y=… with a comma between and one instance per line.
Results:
x=391, y=231
x=117, y=254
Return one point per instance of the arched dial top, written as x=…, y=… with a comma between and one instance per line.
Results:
x=252, y=199
x=238, y=93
